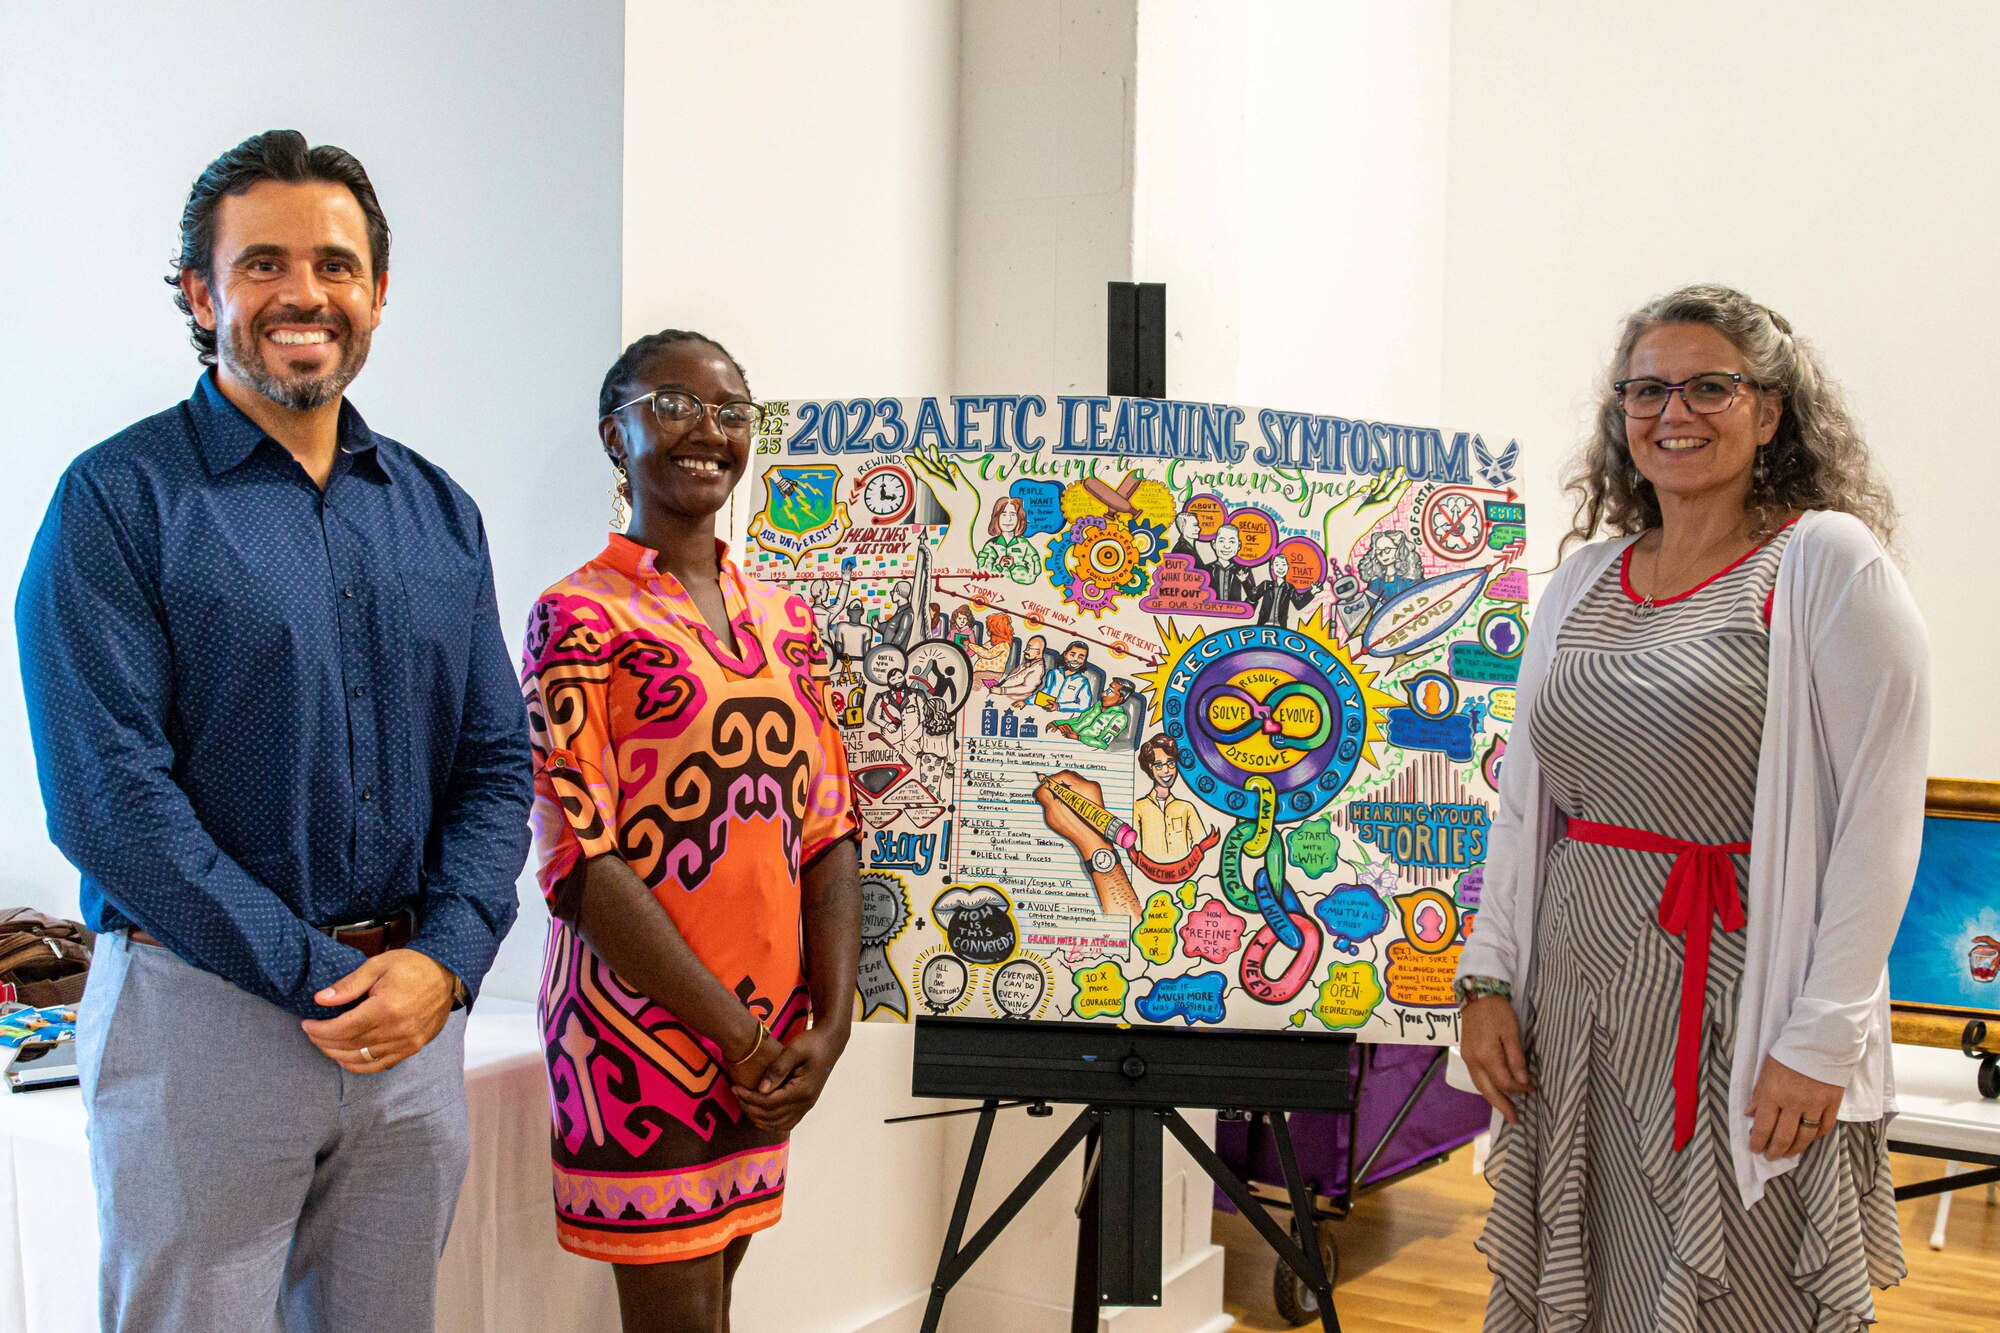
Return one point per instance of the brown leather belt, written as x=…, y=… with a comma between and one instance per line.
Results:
x=370, y=937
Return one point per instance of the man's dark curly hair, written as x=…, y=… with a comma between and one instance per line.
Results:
x=274, y=155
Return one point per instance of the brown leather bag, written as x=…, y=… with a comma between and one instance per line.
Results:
x=44, y=959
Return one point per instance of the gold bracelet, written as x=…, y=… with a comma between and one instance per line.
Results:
x=756, y=1046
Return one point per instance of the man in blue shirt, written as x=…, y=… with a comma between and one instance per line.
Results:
x=1068, y=688
x=279, y=733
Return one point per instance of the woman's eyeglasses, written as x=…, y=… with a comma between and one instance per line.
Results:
x=681, y=410
x=1705, y=395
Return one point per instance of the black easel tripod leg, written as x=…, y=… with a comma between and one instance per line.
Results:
x=1083, y=1306
x=1303, y=1214
x=954, y=1263
x=967, y=1187
x=1254, y=1211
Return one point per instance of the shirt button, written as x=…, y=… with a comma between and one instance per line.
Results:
x=360, y=691
x=367, y=793
x=347, y=592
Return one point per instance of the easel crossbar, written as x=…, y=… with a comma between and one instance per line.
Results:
x=1948, y=1184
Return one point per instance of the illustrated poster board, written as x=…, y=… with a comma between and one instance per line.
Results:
x=1944, y=966
x=1158, y=712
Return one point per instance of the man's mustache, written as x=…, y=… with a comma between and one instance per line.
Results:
x=330, y=320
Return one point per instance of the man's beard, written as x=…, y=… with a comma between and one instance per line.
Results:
x=242, y=353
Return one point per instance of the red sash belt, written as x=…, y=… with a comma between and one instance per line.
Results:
x=1701, y=889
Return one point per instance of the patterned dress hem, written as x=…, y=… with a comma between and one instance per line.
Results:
x=652, y=1249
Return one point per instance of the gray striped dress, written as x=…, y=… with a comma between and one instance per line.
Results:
x=1653, y=720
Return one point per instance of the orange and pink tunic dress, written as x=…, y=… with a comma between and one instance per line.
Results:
x=716, y=773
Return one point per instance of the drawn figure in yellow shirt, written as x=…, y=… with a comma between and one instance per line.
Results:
x=1168, y=826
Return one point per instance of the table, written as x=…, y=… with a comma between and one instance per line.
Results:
x=501, y=1270
x=1941, y=1114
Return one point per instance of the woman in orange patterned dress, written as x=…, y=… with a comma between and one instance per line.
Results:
x=694, y=825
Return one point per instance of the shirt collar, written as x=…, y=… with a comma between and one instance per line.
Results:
x=637, y=562
x=226, y=437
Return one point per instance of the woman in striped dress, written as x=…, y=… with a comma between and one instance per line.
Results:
x=1675, y=996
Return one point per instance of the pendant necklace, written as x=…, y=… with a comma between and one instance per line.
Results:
x=1647, y=608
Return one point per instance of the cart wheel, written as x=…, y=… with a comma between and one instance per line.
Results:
x=1989, y=1078
x=1298, y=1303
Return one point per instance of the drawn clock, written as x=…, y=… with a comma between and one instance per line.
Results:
x=887, y=494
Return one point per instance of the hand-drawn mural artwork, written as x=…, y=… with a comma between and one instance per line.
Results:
x=1158, y=712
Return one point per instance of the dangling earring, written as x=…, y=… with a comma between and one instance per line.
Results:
x=621, y=498
x=1760, y=494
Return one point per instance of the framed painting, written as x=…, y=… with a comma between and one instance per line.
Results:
x=1944, y=968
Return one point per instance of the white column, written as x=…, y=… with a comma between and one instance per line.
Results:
x=1044, y=190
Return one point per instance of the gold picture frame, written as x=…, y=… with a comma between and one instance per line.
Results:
x=1938, y=967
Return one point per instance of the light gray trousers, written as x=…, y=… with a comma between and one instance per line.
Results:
x=245, y=1182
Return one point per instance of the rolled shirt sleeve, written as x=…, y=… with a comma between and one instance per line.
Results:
x=565, y=682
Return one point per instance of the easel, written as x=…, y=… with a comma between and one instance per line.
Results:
x=1131, y=1083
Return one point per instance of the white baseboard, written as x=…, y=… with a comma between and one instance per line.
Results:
x=1191, y=1302
x=905, y=1318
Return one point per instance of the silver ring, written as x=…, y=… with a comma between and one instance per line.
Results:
x=366, y=1058
x=1809, y=1124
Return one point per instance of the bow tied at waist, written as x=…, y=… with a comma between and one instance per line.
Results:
x=1700, y=891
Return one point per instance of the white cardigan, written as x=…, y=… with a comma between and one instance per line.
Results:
x=1834, y=839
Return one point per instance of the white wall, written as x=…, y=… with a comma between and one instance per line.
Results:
x=1291, y=194
x=789, y=191
x=1839, y=162
x=494, y=146
x=788, y=186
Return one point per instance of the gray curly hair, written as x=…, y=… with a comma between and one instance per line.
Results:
x=1817, y=459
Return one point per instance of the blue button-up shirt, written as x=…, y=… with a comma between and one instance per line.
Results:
x=259, y=707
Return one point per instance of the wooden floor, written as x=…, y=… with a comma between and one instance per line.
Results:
x=1407, y=1264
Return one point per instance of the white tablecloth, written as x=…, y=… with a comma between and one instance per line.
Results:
x=502, y=1269
x=1938, y=1103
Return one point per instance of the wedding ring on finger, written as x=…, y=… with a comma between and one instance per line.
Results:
x=366, y=1058
x=1809, y=1124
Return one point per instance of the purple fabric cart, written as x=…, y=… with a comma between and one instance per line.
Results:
x=1406, y=1119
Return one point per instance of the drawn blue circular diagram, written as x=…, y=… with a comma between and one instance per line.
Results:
x=1260, y=702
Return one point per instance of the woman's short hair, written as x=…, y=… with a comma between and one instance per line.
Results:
x=1158, y=747
x=619, y=380
x=1817, y=459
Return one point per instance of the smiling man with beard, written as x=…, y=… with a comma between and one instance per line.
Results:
x=278, y=733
